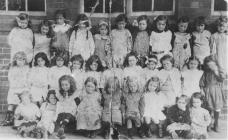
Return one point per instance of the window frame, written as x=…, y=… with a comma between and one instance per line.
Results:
x=32, y=13
x=217, y=13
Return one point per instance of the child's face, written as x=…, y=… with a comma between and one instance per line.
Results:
x=151, y=65
x=44, y=30
x=121, y=25
x=142, y=25
x=135, y=23
x=161, y=24
x=20, y=62
x=193, y=64
x=59, y=62
x=94, y=66
x=167, y=65
x=181, y=103
x=133, y=86
x=90, y=87
x=152, y=86
x=132, y=61
x=76, y=65
x=60, y=19
x=23, y=24
x=222, y=27
x=52, y=99
x=182, y=26
x=200, y=28
x=196, y=103
x=212, y=65
x=103, y=30
x=65, y=84
x=81, y=25
x=41, y=62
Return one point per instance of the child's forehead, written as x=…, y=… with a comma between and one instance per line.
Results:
x=122, y=22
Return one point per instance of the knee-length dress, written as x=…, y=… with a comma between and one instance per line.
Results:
x=141, y=43
x=42, y=44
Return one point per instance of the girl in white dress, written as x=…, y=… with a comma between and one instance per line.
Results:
x=21, y=37
x=38, y=78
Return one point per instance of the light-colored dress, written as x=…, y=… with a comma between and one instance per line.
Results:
x=200, y=119
x=21, y=40
x=121, y=41
x=141, y=43
x=191, y=81
x=42, y=44
x=96, y=75
x=79, y=77
x=38, y=81
x=89, y=111
x=181, y=49
x=219, y=49
x=154, y=104
x=201, y=48
x=18, y=82
x=79, y=44
x=29, y=112
x=55, y=73
x=111, y=73
x=147, y=73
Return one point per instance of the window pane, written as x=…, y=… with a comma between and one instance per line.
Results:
x=220, y=5
x=163, y=5
x=117, y=6
x=2, y=5
x=36, y=5
x=88, y=4
x=142, y=5
x=16, y=5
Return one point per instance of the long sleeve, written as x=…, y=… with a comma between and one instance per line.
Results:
x=72, y=42
x=91, y=43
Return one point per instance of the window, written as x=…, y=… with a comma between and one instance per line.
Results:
x=33, y=7
x=219, y=7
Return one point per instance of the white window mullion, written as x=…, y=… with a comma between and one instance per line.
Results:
x=6, y=4
x=103, y=8
x=152, y=6
x=26, y=5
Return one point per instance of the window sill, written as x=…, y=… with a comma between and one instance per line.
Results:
x=152, y=13
x=219, y=13
x=17, y=12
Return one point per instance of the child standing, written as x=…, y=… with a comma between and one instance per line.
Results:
x=219, y=43
x=18, y=82
x=21, y=37
x=89, y=110
x=211, y=85
x=153, y=107
x=178, y=117
x=160, y=38
x=66, y=107
x=121, y=39
x=200, y=117
x=38, y=78
x=201, y=39
x=190, y=82
x=181, y=45
x=81, y=39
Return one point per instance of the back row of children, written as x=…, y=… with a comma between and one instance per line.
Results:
x=40, y=78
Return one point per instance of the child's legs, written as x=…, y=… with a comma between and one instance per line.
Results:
x=129, y=123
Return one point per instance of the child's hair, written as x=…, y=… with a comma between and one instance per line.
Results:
x=112, y=81
x=60, y=12
x=19, y=55
x=49, y=94
x=94, y=58
x=121, y=17
x=199, y=21
x=43, y=56
x=62, y=55
x=197, y=95
x=47, y=24
x=125, y=63
x=167, y=57
x=24, y=16
x=103, y=23
x=221, y=20
x=72, y=83
x=93, y=80
x=78, y=58
x=159, y=18
x=191, y=59
x=183, y=19
x=130, y=79
x=152, y=79
x=185, y=97
x=207, y=60
x=144, y=17
x=81, y=17
x=153, y=58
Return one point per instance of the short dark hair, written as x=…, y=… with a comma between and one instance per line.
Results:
x=94, y=58
x=167, y=57
x=43, y=56
x=132, y=53
x=72, y=82
x=78, y=58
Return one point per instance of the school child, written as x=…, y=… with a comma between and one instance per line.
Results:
x=181, y=43
x=200, y=117
x=38, y=78
x=21, y=37
x=111, y=100
x=160, y=38
x=133, y=106
x=77, y=71
x=94, y=69
x=121, y=39
x=81, y=39
x=219, y=44
x=211, y=85
x=141, y=42
x=43, y=38
x=48, y=112
x=178, y=118
x=201, y=39
x=89, y=110
x=102, y=43
x=191, y=77
x=18, y=82
x=170, y=80
x=154, y=106
x=67, y=106
x=56, y=72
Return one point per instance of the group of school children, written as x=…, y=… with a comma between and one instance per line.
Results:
x=64, y=78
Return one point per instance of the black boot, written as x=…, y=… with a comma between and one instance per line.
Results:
x=148, y=131
x=129, y=133
x=160, y=131
x=93, y=134
x=106, y=128
x=9, y=119
x=61, y=133
x=141, y=131
x=216, y=125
